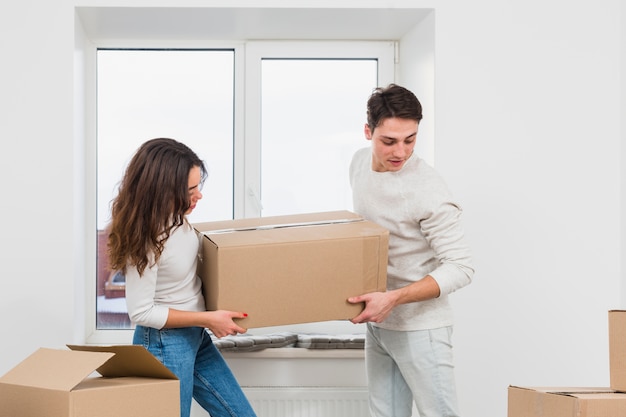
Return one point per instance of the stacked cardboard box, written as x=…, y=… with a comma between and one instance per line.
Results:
x=617, y=349
x=580, y=402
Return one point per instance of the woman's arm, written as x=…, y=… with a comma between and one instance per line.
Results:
x=220, y=322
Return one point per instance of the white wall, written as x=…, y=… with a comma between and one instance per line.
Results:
x=38, y=178
x=528, y=135
x=416, y=71
x=528, y=112
x=623, y=149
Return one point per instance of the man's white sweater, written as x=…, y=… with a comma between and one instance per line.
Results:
x=425, y=235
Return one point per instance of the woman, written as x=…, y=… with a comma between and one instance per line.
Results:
x=151, y=241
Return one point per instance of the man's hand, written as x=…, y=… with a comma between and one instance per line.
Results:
x=378, y=305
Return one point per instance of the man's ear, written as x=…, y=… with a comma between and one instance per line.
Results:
x=367, y=131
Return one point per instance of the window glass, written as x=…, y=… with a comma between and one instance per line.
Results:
x=187, y=95
x=301, y=106
x=311, y=124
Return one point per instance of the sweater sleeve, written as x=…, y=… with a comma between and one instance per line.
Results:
x=140, y=295
x=444, y=232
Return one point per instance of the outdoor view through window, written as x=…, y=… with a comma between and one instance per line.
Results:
x=313, y=112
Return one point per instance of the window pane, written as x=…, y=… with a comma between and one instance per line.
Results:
x=142, y=94
x=312, y=122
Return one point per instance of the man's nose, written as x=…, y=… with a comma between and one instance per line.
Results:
x=400, y=150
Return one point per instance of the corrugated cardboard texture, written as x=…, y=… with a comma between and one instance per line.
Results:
x=25, y=401
x=54, y=369
x=126, y=397
x=61, y=383
x=617, y=349
x=281, y=221
x=565, y=402
x=129, y=360
x=295, y=272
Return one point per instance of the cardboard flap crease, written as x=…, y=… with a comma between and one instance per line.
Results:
x=128, y=360
x=55, y=369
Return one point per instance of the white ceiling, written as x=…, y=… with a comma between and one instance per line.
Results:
x=248, y=23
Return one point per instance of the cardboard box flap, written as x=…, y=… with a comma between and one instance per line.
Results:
x=281, y=226
x=129, y=360
x=565, y=402
x=290, y=233
x=55, y=369
x=270, y=222
x=571, y=391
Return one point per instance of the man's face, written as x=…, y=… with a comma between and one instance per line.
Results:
x=392, y=143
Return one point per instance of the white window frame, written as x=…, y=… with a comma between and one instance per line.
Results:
x=382, y=51
x=247, y=130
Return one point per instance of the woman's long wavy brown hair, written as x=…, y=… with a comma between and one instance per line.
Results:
x=152, y=200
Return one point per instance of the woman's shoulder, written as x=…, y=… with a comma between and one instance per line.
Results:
x=182, y=230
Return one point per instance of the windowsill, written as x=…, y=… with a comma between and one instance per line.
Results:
x=297, y=353
x=298, y=367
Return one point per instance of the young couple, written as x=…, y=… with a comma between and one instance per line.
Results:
x=409, y=327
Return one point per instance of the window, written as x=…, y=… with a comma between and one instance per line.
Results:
x=143, y=94
x=302, y=110
x=311, y=124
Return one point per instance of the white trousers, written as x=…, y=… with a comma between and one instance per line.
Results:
x=410, y=366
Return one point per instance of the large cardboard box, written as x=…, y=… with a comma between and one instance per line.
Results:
x=565, y=402
x=617, y=349
x=62, y=383
x=292, y=269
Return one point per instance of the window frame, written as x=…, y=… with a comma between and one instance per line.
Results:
x=247, y=131
x=259, y=50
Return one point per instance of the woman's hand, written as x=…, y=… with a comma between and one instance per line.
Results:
x=221, y=322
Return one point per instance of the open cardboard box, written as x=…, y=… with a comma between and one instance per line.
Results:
x=617, y=349
x=565, y=402
x=62, y=383
x=292, y=269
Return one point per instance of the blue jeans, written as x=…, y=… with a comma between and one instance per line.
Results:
x=204, y=375
x=407, y=366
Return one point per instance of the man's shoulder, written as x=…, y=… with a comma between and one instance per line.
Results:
x=429, y=179
x=361, y=153
x=360, y=158
x=423, y=168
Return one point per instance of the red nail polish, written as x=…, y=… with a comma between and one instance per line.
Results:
x=245, y=314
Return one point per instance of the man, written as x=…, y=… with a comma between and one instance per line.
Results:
x=409, y=327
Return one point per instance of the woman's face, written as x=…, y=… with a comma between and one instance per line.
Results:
x=195, y=186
